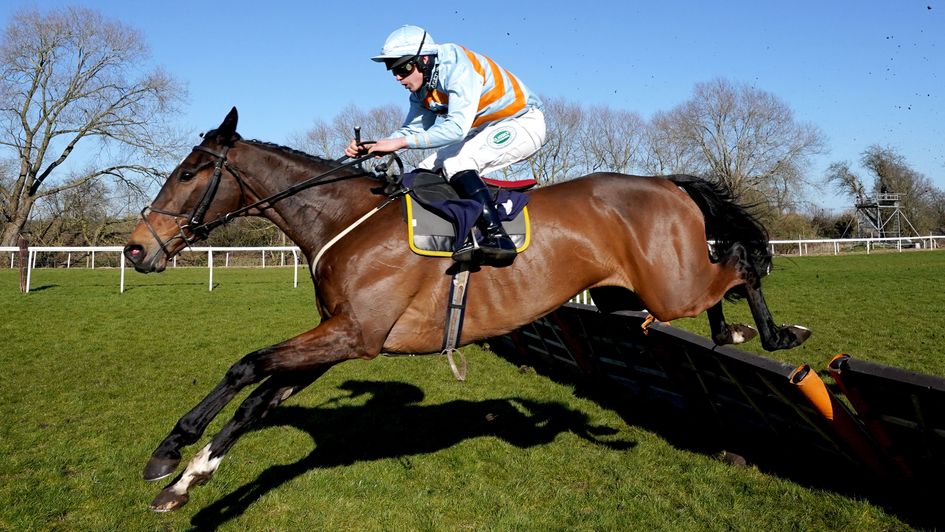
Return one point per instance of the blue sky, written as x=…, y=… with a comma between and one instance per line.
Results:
x=865, y=72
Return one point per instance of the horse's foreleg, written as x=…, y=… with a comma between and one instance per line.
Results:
x=166, y=457
x=270, y=394
x=334, y=340
x=773, y=337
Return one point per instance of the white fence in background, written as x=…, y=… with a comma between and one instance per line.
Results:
x=90, y=252
x=778, y=247
x=838, y=245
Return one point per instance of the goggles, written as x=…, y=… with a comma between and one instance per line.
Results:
x=404, y=66
x=405, y=69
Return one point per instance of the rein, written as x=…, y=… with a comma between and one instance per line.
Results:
x=195, y=220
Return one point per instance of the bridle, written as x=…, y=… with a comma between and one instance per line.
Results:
x=195, y=218
x=199, y=229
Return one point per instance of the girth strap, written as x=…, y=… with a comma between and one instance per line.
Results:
x=347, y=230
x=454, y=321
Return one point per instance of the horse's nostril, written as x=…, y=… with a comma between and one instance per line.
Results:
x=134, y=252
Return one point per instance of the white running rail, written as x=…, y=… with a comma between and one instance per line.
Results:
x=34, y=251
x=778, y=247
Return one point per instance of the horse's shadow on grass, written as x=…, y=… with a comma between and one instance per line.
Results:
x=391, y=424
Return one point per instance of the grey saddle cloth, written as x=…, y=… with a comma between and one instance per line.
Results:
x=436, y=215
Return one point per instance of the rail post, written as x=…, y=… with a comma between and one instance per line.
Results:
x=24, y=263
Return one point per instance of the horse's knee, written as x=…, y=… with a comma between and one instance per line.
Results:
x=188, y=430
x=246, y=371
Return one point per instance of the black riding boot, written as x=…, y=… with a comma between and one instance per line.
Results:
x=496, y=246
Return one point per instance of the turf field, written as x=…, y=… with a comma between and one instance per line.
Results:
x=91, y=380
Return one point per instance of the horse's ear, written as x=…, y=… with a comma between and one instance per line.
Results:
x=227, y=130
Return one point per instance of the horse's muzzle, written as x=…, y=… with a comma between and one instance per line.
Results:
x=138, y=256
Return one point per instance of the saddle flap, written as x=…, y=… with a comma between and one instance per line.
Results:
x=432, y=235
x=435, y=214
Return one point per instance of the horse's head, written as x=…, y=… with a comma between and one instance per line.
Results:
x=201, y=188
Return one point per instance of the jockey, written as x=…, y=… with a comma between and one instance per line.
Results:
x=479, y=116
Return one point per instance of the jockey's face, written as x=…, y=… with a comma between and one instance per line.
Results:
x=412, y=81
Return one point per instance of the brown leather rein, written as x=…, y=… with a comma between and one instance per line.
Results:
x=199, y=230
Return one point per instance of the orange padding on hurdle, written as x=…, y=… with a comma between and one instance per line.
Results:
x=873, y=426
x=812, y=387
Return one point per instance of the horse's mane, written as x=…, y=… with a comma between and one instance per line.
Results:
x=277, y=148
x=292, y=151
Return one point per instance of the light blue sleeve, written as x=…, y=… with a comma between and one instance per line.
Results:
x=417, y=121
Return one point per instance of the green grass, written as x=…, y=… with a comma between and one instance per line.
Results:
x=886, y=308
x=91, y=380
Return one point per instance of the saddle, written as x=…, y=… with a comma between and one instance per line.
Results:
x=435, y=214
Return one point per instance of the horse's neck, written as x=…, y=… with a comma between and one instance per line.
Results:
x=313, y=216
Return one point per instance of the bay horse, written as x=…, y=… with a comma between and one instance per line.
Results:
x=632, y=240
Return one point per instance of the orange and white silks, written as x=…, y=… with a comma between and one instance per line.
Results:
x=466, y=91
x=502, y=94
x=495, y=104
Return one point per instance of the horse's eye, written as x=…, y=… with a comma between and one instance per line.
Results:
x=186, y=176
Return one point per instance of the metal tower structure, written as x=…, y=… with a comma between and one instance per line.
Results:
x=880, y=216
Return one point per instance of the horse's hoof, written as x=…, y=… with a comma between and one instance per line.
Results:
x=800, y=332
x=741, y=333
x=167, y=501
x=159, y=468
x=787, y=337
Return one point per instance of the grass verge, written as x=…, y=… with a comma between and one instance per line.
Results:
x=91, y=380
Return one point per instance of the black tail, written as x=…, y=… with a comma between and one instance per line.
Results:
x=727, y=222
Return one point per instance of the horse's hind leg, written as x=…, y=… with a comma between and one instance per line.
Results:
x=773, y=337
x=268, y=395
x=333, y=341
x=724, y=333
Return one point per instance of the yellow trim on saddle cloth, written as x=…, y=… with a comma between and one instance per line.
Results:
x=428, y=253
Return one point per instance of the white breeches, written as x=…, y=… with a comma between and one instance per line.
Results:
x=493, y=147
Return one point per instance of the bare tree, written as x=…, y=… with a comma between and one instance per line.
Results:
x=891, y=173
x=6, y=182
x=560, y=158
x=742, y=136
x=77, y=216
x=72, y=79
x=666, y=150
x=330, y=138
x=845, y=181
x=612, y=140
x=937, y=212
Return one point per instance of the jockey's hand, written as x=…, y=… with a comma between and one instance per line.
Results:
x=385, y=146
x=355, y=150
